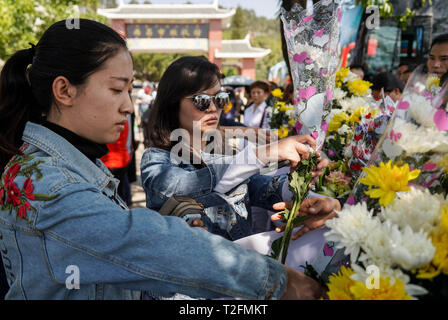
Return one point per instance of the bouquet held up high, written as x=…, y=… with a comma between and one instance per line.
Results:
x=312, y=38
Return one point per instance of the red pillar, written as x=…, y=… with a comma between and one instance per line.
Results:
x=248, y=68
x=214, y=38
x=120, y=27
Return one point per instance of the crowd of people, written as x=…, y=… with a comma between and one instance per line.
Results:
x=68, y=148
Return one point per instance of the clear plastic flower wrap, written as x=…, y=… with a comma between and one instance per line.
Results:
x=396, y=218
x=312, y=38
x=414, y=147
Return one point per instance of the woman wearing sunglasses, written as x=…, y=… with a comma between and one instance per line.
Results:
x=190, y=98
x=64, y=232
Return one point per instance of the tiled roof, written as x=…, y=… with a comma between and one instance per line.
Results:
x=240, y=49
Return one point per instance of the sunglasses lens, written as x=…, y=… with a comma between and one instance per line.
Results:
x=202, y=102
x=222, y=99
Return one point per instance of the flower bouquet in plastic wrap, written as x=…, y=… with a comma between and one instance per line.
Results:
x=356, y=123
x=394, y=225
x=312, y=38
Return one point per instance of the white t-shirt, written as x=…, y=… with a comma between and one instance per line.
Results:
x=253, y=117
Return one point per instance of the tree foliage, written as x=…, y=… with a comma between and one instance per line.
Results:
x=24, y=21
x=264, y=34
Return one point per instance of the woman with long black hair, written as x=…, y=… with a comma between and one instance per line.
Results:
x=64, y=232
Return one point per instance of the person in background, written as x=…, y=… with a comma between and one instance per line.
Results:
x=359, y=70
x=119, y=158
x=404, y=71
x=438, y=56
x=392, y=86
x=257, y=114
x=270, y=100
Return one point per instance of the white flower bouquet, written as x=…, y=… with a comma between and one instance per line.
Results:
x=396, y=219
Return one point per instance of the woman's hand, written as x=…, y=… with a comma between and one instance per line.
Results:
x=318, y=210
x=301, y=287
x=323, y=163
x=291, y=148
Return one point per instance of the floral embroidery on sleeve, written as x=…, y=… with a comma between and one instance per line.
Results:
x=15, y=197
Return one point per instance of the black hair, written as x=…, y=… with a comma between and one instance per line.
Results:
x=263, y=85
x=443, y=38
x=27, y=77
x=184, y=77
x=359, y=66
x=388, y=81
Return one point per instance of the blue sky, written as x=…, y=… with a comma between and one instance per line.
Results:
x=265, y=8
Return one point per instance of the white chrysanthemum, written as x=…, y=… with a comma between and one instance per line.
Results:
x=421, y=110
x=348, y=152
x=418, y=209
x=339, y=94
x=351, y=228
x=415, y=139
x=345, y=129
x=409, y=249
x=290, y=114
x=375, y=248
x=351, y=104
x=351, y=77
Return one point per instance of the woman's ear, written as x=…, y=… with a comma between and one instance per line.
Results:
x=63, y=91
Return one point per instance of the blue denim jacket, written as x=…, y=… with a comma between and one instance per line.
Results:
x=226, y=214
x=63, y=221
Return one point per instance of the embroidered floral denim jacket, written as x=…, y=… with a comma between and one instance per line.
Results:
x=65, y=234
x=226, y=214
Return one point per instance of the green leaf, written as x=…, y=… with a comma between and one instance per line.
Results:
x=276, y=248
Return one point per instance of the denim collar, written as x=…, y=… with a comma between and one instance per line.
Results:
x=58, y=147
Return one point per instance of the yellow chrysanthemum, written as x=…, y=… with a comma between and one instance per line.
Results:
x=443, y=164
x=277, y=93
x=357, y=115
x=292, y=123
x=279, y=104
x=432, y=81
x=336, y=121
x=388, y=179
x=340, y=76
x=282, y=132
x=359, y=87
x=444, y=219
x=285, y=108
x=386, y=291
x=339, y=285
x=439, y=238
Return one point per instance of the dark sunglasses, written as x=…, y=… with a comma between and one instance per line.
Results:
x=202, y=101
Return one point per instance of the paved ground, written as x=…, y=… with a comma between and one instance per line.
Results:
x=138, y=194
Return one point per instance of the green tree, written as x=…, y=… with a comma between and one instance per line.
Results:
x=238, y=24
x=24, y=21
x=110, y=4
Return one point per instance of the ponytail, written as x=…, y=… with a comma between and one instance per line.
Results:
x=16, y=102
